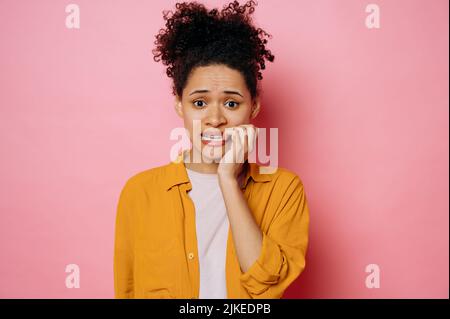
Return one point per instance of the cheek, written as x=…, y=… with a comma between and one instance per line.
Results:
x=189, y=125
x=189, y=116
x=237, y=119
x=188, y=121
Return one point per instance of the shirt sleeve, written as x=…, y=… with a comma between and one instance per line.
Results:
x=284, y=246
x=123, y=246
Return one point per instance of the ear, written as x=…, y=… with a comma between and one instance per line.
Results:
x=255, y=108
x=178, y=106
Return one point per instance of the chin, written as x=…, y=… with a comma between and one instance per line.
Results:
x=211, y=154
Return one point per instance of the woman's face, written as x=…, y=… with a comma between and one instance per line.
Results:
x=218, y=98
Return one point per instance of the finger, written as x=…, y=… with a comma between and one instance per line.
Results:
x=236, y=146
x=228, y=134
x=245, y=145
x=251, y=132
x=242, y=133
x=229, y=145
x=242, y=147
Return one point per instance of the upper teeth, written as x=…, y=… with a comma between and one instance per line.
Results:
x=211, y=137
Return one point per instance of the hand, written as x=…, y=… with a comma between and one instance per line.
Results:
x=243, y=141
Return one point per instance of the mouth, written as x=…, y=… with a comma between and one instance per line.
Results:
x=213, y=139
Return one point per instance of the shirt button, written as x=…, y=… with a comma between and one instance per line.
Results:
x=191, y=256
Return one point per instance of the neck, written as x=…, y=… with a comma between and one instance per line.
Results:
x=205, y=168
x=209, y=168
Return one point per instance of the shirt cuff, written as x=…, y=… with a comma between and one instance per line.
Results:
x=266, y=269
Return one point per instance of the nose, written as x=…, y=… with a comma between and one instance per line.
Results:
x=215, y=117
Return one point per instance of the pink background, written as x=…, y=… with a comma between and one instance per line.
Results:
x=362, y=117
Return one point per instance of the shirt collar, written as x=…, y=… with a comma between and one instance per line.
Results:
x=177, y=174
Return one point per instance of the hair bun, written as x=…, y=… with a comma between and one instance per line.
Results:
x=194, y=35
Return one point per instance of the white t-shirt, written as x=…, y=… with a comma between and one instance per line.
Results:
x=212, y=233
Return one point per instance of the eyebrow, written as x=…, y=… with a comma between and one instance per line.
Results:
x=206, y=91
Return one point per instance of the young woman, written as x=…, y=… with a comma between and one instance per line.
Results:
x=218, y=227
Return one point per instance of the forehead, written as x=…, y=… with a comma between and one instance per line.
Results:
x=215, y=78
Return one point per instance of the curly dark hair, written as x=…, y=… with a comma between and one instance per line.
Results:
x=196, y=37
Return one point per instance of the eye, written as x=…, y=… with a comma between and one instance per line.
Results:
x=201, y=105
x=233, y=104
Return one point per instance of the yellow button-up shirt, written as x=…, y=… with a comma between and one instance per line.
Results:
x=155, y=248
